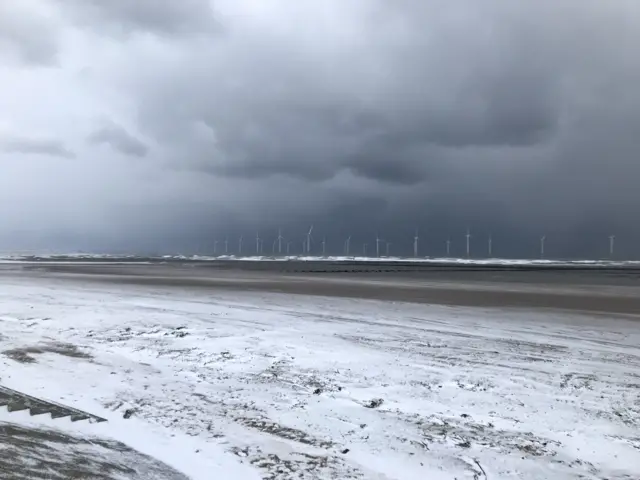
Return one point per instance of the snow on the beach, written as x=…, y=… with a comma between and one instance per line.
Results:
x=250, y=385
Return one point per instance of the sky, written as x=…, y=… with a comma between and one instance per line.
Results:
x=160, y=126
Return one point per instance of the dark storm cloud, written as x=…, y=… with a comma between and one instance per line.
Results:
x=379, y=111
x=119, y=139
x=35, y=146
x=164, y=17
x=392, y=166
x=511, y=118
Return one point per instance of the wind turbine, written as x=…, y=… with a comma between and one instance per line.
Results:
x=388, y=246
x=468, y=235
x=542, y=240
x=324, y=246
x=215, y=247
x=226, y=245
x=490, y=246
x=448, y=248
x=415, y=244
x=347, y=245
x=378, y=240
x=273, y=247
x=612, y=240
x=280, y=241
x=240, y=245
x=309, y=240
x=288, y=248
x=257, y=243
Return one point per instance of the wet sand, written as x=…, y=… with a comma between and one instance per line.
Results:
x=594, y=290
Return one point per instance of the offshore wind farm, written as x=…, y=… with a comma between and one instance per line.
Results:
x=419, y=248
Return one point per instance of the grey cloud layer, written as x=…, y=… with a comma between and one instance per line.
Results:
x=27, y=36
x=119, y=139
x=165, y=17
x=511, y=117
x=384, y=106
x=35, y=146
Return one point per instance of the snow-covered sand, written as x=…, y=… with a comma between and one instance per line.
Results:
x=250, y=385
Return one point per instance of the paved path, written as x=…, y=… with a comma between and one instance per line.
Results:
x=29, y=453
